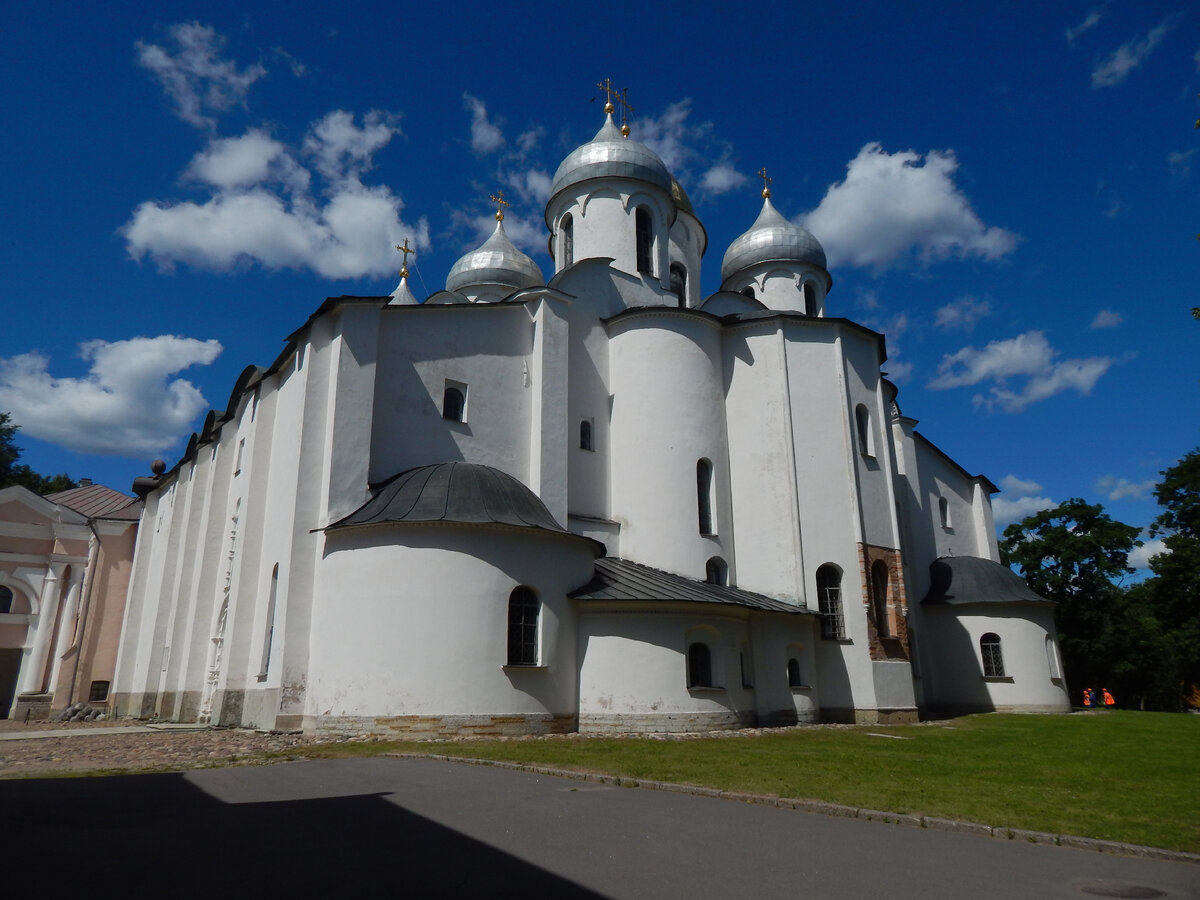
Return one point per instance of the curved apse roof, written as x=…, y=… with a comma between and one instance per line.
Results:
x=957, y=580
x=455, y=492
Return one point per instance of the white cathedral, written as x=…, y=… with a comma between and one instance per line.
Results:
x=597, y=501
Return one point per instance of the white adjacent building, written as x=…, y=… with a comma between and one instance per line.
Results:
x=596, y=500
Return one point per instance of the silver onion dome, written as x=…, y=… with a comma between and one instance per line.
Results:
x=611, y=155
x=772, y=238
x=498, y=262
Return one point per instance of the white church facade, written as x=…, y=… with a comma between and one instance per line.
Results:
x=597, y=501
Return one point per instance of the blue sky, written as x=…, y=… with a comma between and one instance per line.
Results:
x=1007, y=190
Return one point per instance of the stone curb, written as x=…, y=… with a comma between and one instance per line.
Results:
x=820, y=807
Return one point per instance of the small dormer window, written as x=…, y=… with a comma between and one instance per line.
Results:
x=645, y=240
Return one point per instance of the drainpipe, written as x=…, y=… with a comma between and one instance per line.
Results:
x=85, y=608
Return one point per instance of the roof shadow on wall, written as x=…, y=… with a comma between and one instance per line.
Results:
x=159, y=832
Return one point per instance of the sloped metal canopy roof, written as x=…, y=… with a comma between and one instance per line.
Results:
x=620, y=579
x=958, y=580
x=98, y=502
x=454, y=492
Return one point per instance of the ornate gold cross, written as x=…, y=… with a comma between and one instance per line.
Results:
x=762, y=173
x=498, y=199
x=405, y=250
x=609, y=90
x=626, y=110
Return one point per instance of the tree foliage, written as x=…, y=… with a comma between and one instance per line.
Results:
x=13, y=472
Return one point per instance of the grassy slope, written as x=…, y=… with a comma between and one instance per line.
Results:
x=1124, y=776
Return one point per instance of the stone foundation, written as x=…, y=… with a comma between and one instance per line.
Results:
x=844, y=716
x=32, y=707
x=425, y=727
x=617, y=723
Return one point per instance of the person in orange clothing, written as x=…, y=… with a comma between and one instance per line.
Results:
x=1109, y=700
x=1087, y=698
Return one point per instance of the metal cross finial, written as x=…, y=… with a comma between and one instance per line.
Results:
x=626, y=109
x=405, y=250
x=498, y=199
x=762, y=173
x=609, y=90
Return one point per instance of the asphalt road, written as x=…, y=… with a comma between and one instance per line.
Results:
x=423, y=828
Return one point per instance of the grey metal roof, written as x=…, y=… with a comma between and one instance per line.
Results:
x=771, y=238
x=611, y=154
x=454, y=492
x=620, y=579
x=497, y=261
x=958, y=580
x=98, y=502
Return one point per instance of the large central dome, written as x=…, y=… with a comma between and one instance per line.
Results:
x=611, y=155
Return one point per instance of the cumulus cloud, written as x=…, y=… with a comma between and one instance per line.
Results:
x=127, y=405
x=1179, y=162
x=1023, y=502
x=895, y=205
x=1027, y=359
x=1120, y=488
x=194, y=75
x=263, y=209
x=1139, y=557
x=688, y=149
x=1106, y=318
x=486, y=136
x=962, y=314
x=1090, y=21
x=1118, y=65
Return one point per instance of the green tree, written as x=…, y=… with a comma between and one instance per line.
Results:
x=1077, y=555
x=12, y=472
x=1175, y=586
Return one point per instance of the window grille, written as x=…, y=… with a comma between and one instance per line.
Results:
x=993, y=660
x=829, y=599
x=522, y=628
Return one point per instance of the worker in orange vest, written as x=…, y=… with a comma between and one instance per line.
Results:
x=1109, y=701
x=1087, y=697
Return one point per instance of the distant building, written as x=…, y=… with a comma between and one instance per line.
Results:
x=65, y=561
x=598, y=501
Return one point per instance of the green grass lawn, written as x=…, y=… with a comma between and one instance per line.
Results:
x=1123, y=776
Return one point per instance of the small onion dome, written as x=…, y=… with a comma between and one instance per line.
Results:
x=771, y=238
x=402, y=296
x=610, y=155
x=497, y=262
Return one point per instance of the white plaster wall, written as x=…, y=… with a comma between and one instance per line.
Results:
x=687, y=240
x=486, y=347
x=413, y=622
x=873, y=472
x=603, y=212
x=668, y=412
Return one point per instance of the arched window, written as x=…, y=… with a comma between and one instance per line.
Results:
x=568, y=240
x=866, y=442
x=679, y=284
x=879, y=598
x=993, y=660
x=699, y=665
x=793, y=672
x=585, y=434
x=454, y=404
x=829, y=602
x=269, y=631
x=810, y=299
x=1052, y=659
x=523, y=610
x=704, y=474
x=716, y=572
x=944, y=511
x=6, y=599
x=645, y=240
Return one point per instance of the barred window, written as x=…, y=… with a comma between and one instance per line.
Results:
x=829, y=600
x=699, y=665
x=99, y=692
x=523, y=611
x=993, y=660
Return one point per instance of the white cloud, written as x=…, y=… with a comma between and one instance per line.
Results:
x=893, y=205
x=1117, y=66
x=486, y=137
x=1005, y=512
x=527, y=232
x=1090, y=21
x=1139, y=557
x=1179, y=162
x=127, y=404
x=721, y=179
x=1028, y=356
x=264, y=212
x=899, y=372
x=1015, y=485
x=962, y=314
x=195, y=77
x=298, y=68
x=1106, y=318
x=1120, y=488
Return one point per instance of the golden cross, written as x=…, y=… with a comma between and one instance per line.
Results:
x=498, y=199
x=609, y=90
x=405, y=250
x=626, y=109
x=762, y=173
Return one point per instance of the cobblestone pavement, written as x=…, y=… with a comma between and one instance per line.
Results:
x=149, y=750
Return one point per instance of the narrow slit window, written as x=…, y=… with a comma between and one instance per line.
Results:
x=585, y=435
x=568, y=240
x=645, y=240
x=704, y=479
x=879, y=598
